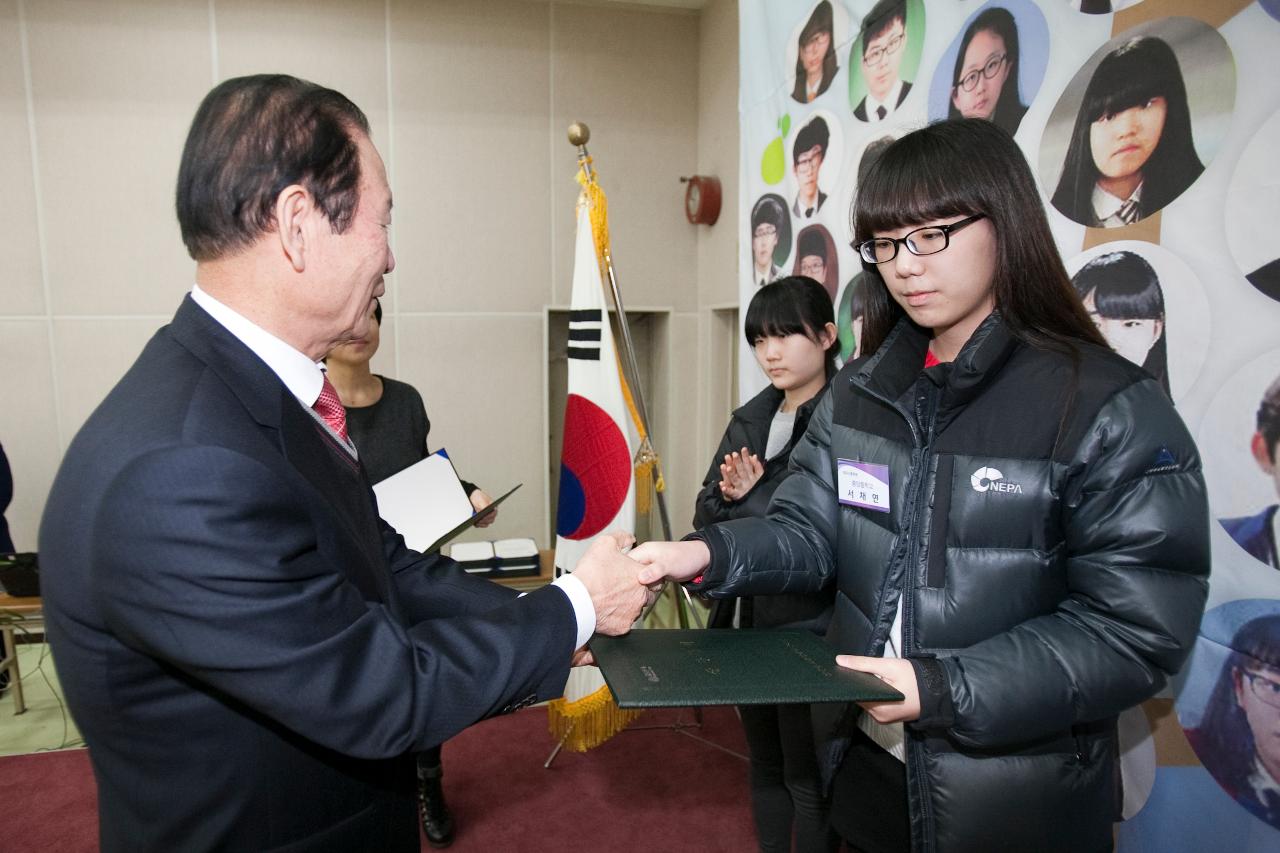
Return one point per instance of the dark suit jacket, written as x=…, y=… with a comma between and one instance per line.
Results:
x=251, y=653
x=860, y=111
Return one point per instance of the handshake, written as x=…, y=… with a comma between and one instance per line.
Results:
x=622, y=582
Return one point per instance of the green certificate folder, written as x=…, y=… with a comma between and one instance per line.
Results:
x=677, y=668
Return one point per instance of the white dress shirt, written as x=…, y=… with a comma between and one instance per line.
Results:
x=890, y=103
x=304, y=378
x=1106, y=207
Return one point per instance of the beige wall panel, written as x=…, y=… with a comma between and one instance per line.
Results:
x=115, y=85
x=26, y=430
x=485, y=406
x=90, y=356
x=19, y=234
x=341, y=44
x=632, y=76
x=470, y=164
x=718, y=149
x=682, y=464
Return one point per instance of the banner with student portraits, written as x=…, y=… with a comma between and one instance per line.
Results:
x=1182, y=276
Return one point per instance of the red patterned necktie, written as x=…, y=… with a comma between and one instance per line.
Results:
x=329, y=407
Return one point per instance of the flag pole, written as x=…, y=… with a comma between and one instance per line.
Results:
x=579, y=135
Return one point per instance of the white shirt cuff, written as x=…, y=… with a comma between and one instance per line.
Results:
x=583, y=608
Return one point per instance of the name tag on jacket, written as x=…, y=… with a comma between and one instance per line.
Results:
x=863, y=484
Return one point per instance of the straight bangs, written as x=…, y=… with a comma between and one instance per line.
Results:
x=794, y=305
x=1259, y=640
x=770, y=317
x=1132, y=74
x=918, y=179
x=1124, y=287
x=1125, y=302
x=1128, y=93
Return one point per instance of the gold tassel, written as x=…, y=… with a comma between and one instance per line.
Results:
x=648, y=467
x=587, y=722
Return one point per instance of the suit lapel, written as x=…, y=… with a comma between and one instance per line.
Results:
x=341, y=492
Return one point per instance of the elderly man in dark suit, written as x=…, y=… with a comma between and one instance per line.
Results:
x=252, y=655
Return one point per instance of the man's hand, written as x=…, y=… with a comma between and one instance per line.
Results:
x=583, y=657
x=677, y=561
x=480, y=500
x=610, y=579
x=898, y=674
x=739, y=473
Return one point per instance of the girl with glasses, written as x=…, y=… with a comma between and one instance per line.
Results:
x=1012, y=516
x=816, y=63
x=1237, y=736
x=985, y=81
x=1131, y=151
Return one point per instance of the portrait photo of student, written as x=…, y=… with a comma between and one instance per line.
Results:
x=770, y=238
x=816, y=258
x=1258, y=533
x=1149, y=306
x=887, y=55
x=1124, y=140
x=850, y=316
x=1253, y=210
x=1230, y=706
x=995, y=68
x=1239, y=436
x=816, y=63
x=808, y=153
x=1122, y=296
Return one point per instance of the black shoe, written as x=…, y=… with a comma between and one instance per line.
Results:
x=437, y=820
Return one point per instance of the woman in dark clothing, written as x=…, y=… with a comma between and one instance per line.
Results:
x=1013, y=517
x=388, y=424
x=790, y=326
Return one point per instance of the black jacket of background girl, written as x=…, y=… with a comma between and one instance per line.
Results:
x=1049, y=532
x=749, y=428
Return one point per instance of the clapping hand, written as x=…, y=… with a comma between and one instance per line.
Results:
x=739, y=472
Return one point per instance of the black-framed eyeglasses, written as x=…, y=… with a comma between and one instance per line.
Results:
x=923, y=241
x=874, y=57
x=1266, y=689
x=970, y=81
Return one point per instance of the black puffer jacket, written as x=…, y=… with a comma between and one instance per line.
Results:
x=1048, y=529
x=749, y=428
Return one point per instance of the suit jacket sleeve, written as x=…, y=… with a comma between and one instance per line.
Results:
x=211, y=563
x=431, y=586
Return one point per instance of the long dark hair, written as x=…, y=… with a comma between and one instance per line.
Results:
x=1224, y=739
x=820, y=21
x=959, y=168
x=1125, y=287
x=793, y=305
x=1009, y=109
x=1130, y=75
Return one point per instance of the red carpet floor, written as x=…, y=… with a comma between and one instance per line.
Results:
x=644, y=790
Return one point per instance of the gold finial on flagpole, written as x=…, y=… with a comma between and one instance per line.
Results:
x=579, y=134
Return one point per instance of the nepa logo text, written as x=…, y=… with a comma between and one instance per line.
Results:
x=991, y=480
